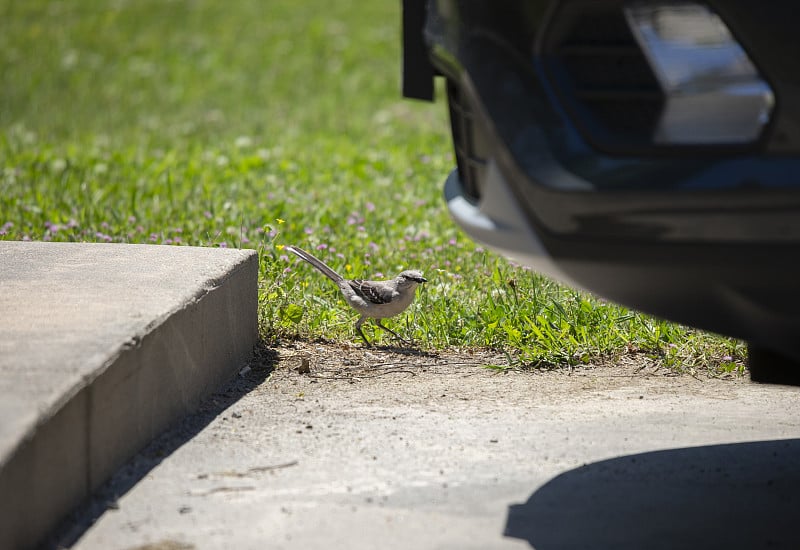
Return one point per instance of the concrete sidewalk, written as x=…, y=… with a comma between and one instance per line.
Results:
x=375, y=449
x=103, y=346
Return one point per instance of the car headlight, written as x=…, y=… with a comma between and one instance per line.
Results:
x=713, y=92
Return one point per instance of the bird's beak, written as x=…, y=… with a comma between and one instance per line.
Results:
x=422, y=280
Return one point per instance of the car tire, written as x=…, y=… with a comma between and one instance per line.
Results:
x=770, y=367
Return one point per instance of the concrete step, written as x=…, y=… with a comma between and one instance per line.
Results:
x=103, y=346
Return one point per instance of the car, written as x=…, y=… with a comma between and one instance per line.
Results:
x=646, y=151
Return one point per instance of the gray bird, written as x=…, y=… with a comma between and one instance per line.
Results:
x=372, y=299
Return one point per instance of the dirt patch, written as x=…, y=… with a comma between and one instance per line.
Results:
x=386, y=374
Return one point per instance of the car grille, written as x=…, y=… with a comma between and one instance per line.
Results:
x=469, y=143
x=601, y=75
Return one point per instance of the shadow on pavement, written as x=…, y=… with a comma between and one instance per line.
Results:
x=743, y=495
x=105, y=498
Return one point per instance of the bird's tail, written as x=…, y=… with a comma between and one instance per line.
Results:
x=316, y=262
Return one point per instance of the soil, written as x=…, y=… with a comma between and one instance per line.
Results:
x=388, y=370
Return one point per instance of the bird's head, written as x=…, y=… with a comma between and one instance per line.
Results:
x=411, y=277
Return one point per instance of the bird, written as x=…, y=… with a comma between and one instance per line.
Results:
x=374, y=300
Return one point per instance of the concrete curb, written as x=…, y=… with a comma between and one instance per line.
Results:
x=101, y=348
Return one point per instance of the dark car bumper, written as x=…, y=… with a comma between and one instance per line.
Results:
x=553, y=112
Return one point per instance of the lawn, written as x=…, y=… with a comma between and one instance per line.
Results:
x=259, y=124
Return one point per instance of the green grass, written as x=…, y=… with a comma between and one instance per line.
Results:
x=258, y=124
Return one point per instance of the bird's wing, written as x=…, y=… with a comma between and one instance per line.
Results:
x=372, y=292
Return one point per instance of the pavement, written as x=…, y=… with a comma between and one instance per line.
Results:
x=103, y=347
x=318, y=447
x=139, y=413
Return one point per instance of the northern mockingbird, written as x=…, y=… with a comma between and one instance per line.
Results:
x=372, y=299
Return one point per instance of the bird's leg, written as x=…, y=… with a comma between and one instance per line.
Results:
x=360, y=332
x=387, y=329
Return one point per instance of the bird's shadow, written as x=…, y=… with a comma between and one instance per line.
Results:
x=742, y=495
x=408, y=350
